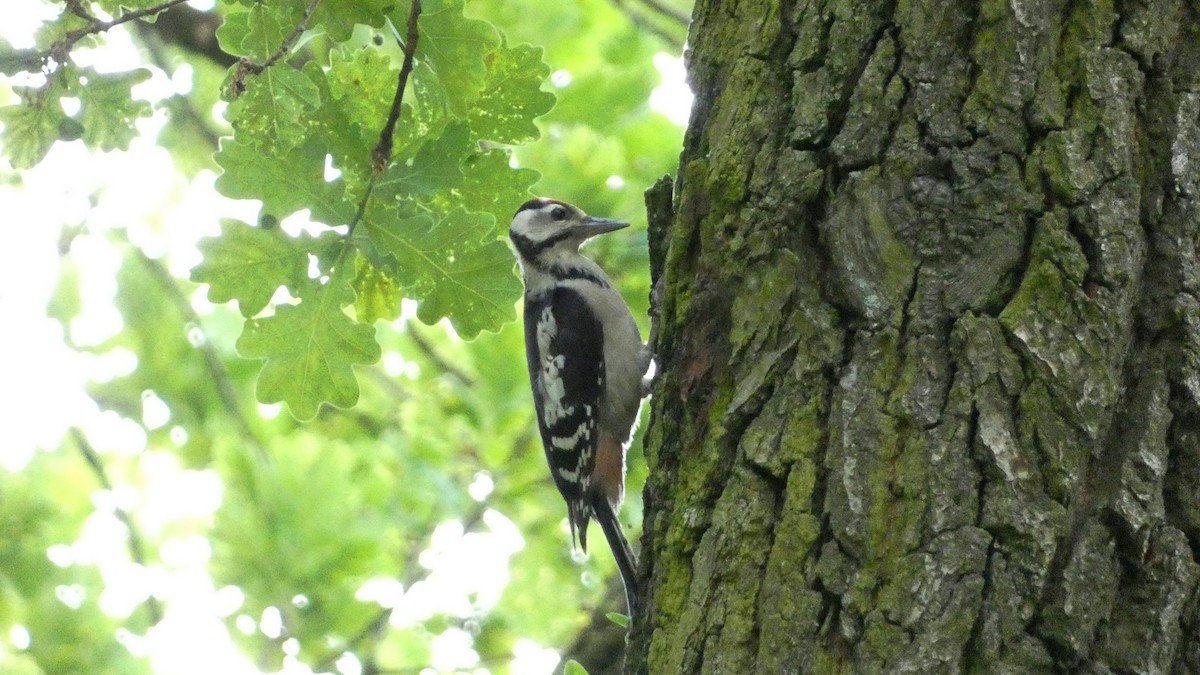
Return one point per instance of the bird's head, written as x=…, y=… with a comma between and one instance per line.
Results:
x=544, y=227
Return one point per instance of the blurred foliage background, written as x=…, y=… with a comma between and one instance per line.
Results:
x=155, y=518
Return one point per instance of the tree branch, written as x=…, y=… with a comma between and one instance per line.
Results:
x=137, y=548
x=59, y=50
x=375, y=627
x=385, y=382
x=426, y=348
x=212, y=360
x=190, y=30
x=647, y=25
x=247, y=67
x=383, y=151
x=669, y=12
x=153, y=43
x=382, y=154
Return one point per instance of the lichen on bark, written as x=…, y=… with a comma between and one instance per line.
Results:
x=930, y=393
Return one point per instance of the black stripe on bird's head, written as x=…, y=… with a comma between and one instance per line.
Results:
x=541, y=225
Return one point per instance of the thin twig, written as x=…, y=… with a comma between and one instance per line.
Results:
x=383, y=151
x=295, y=35
x=137, y=548
x=647, y=25
x=190, y=30
x=441, y=362
x=247, y=67
x=60, y=49
x=375, y=627
x=216, y=368
x=385, y=382
x=153, y=43
x=381, y=156
x=670, y=12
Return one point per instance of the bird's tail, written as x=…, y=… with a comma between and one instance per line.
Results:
x=606, y=516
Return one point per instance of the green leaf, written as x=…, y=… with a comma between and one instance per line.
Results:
x=357, y=95
x=285, y=184
x=70, y=130
x=453, y=268
x=31, y=127
x=376, y=295
x=107, y=109
x=248, y=263
x=435, y=167
x=403, y=649
x=456, y=47
x=309, y=349
x=623, y=92
x=512, y=96
x=338, y=17
x=573, y=667
x=431, y=106
x=300, y=523
x=275, y=106
x=362, y=82
x=257, y=33
x=492, y=186
x=76, y=640
x=53, y=32
x=13, y=61
x=117, y=7
x=618, y=618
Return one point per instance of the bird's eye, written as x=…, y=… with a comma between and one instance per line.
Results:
x=558, y=213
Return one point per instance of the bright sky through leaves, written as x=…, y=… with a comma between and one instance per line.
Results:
x=138, y=199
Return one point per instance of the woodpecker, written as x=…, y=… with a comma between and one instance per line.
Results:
x=587, y=367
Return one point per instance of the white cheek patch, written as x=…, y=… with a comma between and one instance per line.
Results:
x=521, y=224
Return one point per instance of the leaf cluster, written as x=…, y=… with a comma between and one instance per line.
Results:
x=303, y=140
x=323, y=283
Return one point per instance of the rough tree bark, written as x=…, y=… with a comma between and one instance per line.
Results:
x=931, y=343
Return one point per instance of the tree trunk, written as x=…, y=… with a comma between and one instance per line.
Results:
x=930, y=343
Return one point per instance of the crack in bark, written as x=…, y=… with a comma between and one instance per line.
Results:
x=1020, y=269
x=1089, y=500
x=902, y=329
x=841, y=108
x=990, y=142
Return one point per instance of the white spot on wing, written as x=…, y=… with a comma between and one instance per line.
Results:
x=584, y=432
x=553, y=387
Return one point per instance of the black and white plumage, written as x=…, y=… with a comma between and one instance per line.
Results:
x=586, y=367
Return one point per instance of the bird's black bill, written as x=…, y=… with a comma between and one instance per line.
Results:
x=594, y=226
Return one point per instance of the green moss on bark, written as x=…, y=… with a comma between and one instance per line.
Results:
x=927, y=346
